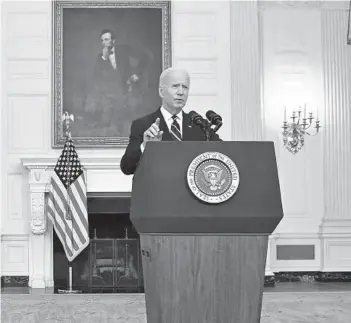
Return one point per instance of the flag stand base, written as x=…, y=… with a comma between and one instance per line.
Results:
x=69, y=291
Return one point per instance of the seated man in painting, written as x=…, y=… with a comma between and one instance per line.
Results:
x=118, y=83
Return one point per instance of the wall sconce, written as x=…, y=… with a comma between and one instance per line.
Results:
x=294, y=132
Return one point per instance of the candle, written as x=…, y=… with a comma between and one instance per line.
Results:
x=317, y=113
x=285, y=113
x=304, y=112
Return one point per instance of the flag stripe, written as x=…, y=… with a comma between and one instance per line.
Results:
x=67, y=205
x=75, y=195
x=75, y=203
x=78, y=228
x=83, y=191
x=60, y=233
x=81, y=215
x=76, y=221
x=59, y=187
x=56, y=211
x=60, y=218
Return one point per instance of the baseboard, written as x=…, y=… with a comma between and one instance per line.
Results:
x=269, y=281
x=312, y=276
x=22, y=281
x=14, y=281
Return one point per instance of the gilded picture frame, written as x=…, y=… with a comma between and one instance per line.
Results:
x=107, y=58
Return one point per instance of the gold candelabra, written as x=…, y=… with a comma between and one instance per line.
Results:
x=294, y=131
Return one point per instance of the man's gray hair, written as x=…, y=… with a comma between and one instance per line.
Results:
x=164, y=75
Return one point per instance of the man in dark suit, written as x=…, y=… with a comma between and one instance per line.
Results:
x=168, y=123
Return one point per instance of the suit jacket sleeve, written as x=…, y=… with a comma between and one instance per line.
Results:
x=132, y=155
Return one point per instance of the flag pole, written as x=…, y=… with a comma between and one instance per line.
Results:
x=66, y=118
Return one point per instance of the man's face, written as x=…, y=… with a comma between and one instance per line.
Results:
x=106, y=40
x=175, y=90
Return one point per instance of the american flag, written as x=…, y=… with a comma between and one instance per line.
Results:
x=67, y=202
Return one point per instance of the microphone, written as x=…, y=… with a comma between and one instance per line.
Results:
x=196, y=119
x=215, y=119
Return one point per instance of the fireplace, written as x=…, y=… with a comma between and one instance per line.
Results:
x=112, y=261
x=108, y=191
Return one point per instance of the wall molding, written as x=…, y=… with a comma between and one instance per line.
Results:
x=44, y=163
x=14, y=237
x=298, y=235
x=306, y=5
x=246, y=71
x=14, y=251
x=337, y=82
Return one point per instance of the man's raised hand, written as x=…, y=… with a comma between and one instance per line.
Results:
x=153, y=133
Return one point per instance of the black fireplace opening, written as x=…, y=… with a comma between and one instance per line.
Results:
x=111, y=263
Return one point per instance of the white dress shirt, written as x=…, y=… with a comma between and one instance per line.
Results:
x=112, y=58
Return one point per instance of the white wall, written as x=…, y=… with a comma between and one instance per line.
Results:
x=200, y=38
x=306, y=60
x=292, y=76
x=336, y=226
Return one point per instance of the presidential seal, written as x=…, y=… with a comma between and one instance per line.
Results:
x=213, y=177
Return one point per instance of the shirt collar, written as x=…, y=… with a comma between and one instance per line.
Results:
x=167, y=116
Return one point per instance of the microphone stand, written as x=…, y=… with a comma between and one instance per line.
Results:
x=205, y=126
x=211, y=131
x=208, y=131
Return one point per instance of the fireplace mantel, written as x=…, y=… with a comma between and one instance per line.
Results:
x=87, y=163
x=102, y=174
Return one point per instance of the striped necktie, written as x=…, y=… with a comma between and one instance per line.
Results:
x=175, y=129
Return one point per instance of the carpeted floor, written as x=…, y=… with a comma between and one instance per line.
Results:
x=278, y=307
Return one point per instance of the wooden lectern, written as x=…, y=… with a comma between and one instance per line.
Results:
x=204, y=263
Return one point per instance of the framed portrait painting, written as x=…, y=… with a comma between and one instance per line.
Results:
x=108, y=57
